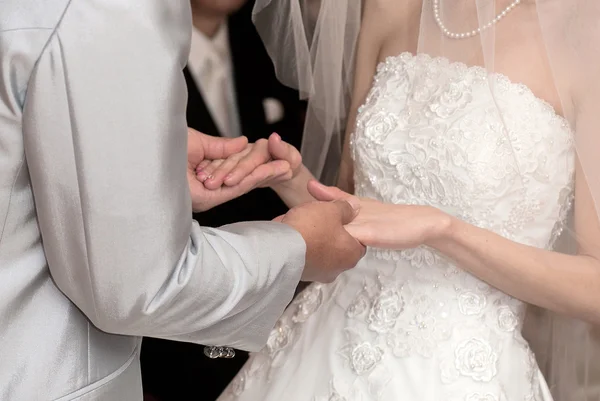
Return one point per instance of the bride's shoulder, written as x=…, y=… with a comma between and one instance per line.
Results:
x=392, y=6
x=393, y=23
x=392, y=11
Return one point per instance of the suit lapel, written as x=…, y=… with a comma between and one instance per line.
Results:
x=197, y=113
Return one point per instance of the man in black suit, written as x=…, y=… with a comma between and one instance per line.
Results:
x=232, y=90
x=242, y=98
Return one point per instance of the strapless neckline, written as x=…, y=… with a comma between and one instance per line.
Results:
x=479, y=71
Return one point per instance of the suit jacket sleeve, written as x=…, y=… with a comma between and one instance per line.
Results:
x=105, y=138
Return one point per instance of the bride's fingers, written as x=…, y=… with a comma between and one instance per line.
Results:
x=218, y=175
x=282, y=178
x=361, y=232
x=272, y=172
x=251, y=181
x=277, y=179
x=282, y=150
x=203, y=164
x=261, y=176
x=206, y=173
x=258, y=155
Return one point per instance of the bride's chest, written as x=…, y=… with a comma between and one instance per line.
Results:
x=444, y=134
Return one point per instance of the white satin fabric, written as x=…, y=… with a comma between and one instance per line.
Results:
x=96, y=235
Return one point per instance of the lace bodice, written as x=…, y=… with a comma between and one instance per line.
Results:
x=430, y=133
x=410, y=322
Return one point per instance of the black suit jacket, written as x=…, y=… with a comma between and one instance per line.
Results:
x=254, y=81
x=178, y=371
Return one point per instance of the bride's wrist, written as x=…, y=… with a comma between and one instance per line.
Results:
x=296, y=183
x=294, y=192
x=441, y=228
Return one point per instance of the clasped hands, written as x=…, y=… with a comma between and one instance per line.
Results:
x=336, y=227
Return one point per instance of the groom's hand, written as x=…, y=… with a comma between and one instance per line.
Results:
x=203, y=148
x=330, y=250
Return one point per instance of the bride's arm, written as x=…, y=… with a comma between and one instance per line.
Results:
x=568, y=284
x=294, y=192
x=560, y=282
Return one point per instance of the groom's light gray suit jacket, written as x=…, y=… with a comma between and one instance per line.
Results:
x=95, y=228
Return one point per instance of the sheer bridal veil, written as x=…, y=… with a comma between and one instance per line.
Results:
x=312, y=45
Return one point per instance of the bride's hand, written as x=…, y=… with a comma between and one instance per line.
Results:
x=273, y=159
x=203, y=147
x=389, y=226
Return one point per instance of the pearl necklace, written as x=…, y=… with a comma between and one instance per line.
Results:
x=453, y=35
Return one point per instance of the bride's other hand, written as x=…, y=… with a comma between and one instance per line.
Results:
x=204, y=150
x=273, y=159
x=388, y=226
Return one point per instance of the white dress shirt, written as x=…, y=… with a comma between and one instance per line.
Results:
x=211, y=68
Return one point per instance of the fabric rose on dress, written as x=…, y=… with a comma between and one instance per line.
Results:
x=418, y=172
x=364, y=357
x=279, y=337
x=359, y=306
x=507, y=319
x=388, y=305
x=308, y=302
x=379, y=125
x=426, y=89
x=397, y=84
x=455, y=97
x=238, y=385
x=471, y=303
x=481, y=397
x=476, y=359
x=424, y=326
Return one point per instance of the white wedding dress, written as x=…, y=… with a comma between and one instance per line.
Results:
x=409, y=325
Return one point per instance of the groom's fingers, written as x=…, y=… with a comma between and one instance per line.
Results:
x=320, y=192
x=324, y=193
x=347, y=210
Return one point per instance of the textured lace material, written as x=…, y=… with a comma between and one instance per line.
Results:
x=430, y=133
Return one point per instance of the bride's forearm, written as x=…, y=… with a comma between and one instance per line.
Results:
x=295, y=192
x=563, y=283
